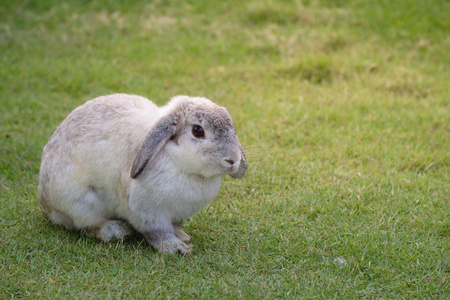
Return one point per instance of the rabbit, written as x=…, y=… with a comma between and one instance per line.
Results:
x=119, y=164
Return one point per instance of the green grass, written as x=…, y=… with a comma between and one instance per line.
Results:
x=342, y=108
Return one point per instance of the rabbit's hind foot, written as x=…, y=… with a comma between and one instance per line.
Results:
x=112, y=230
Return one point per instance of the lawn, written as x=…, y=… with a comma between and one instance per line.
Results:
x=342, y=108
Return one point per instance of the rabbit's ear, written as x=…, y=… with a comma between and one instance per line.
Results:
x=242, y=166
x=155, y=140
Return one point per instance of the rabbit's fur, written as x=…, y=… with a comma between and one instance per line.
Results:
x=120, y=162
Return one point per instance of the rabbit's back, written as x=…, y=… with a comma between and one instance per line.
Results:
x=103, y=119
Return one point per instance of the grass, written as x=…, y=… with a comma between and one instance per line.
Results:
x=342, y=108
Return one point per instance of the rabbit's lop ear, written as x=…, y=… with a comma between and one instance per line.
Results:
x=155, y=140
x=242, y=166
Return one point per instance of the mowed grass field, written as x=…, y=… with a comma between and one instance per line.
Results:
x=342, y=108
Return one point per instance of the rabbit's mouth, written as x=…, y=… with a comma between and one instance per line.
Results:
x=232, y=170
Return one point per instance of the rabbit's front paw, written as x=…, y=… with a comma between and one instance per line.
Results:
x=179, y=233
x=175, y=246
x=167, y=242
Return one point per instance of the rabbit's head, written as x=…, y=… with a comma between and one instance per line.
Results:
x=199, y=137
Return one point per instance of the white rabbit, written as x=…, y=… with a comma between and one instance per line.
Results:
x=120, y=162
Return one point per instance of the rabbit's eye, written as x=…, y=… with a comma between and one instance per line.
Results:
x=198, y=131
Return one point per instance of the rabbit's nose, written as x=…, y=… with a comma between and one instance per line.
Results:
x=230, y=161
